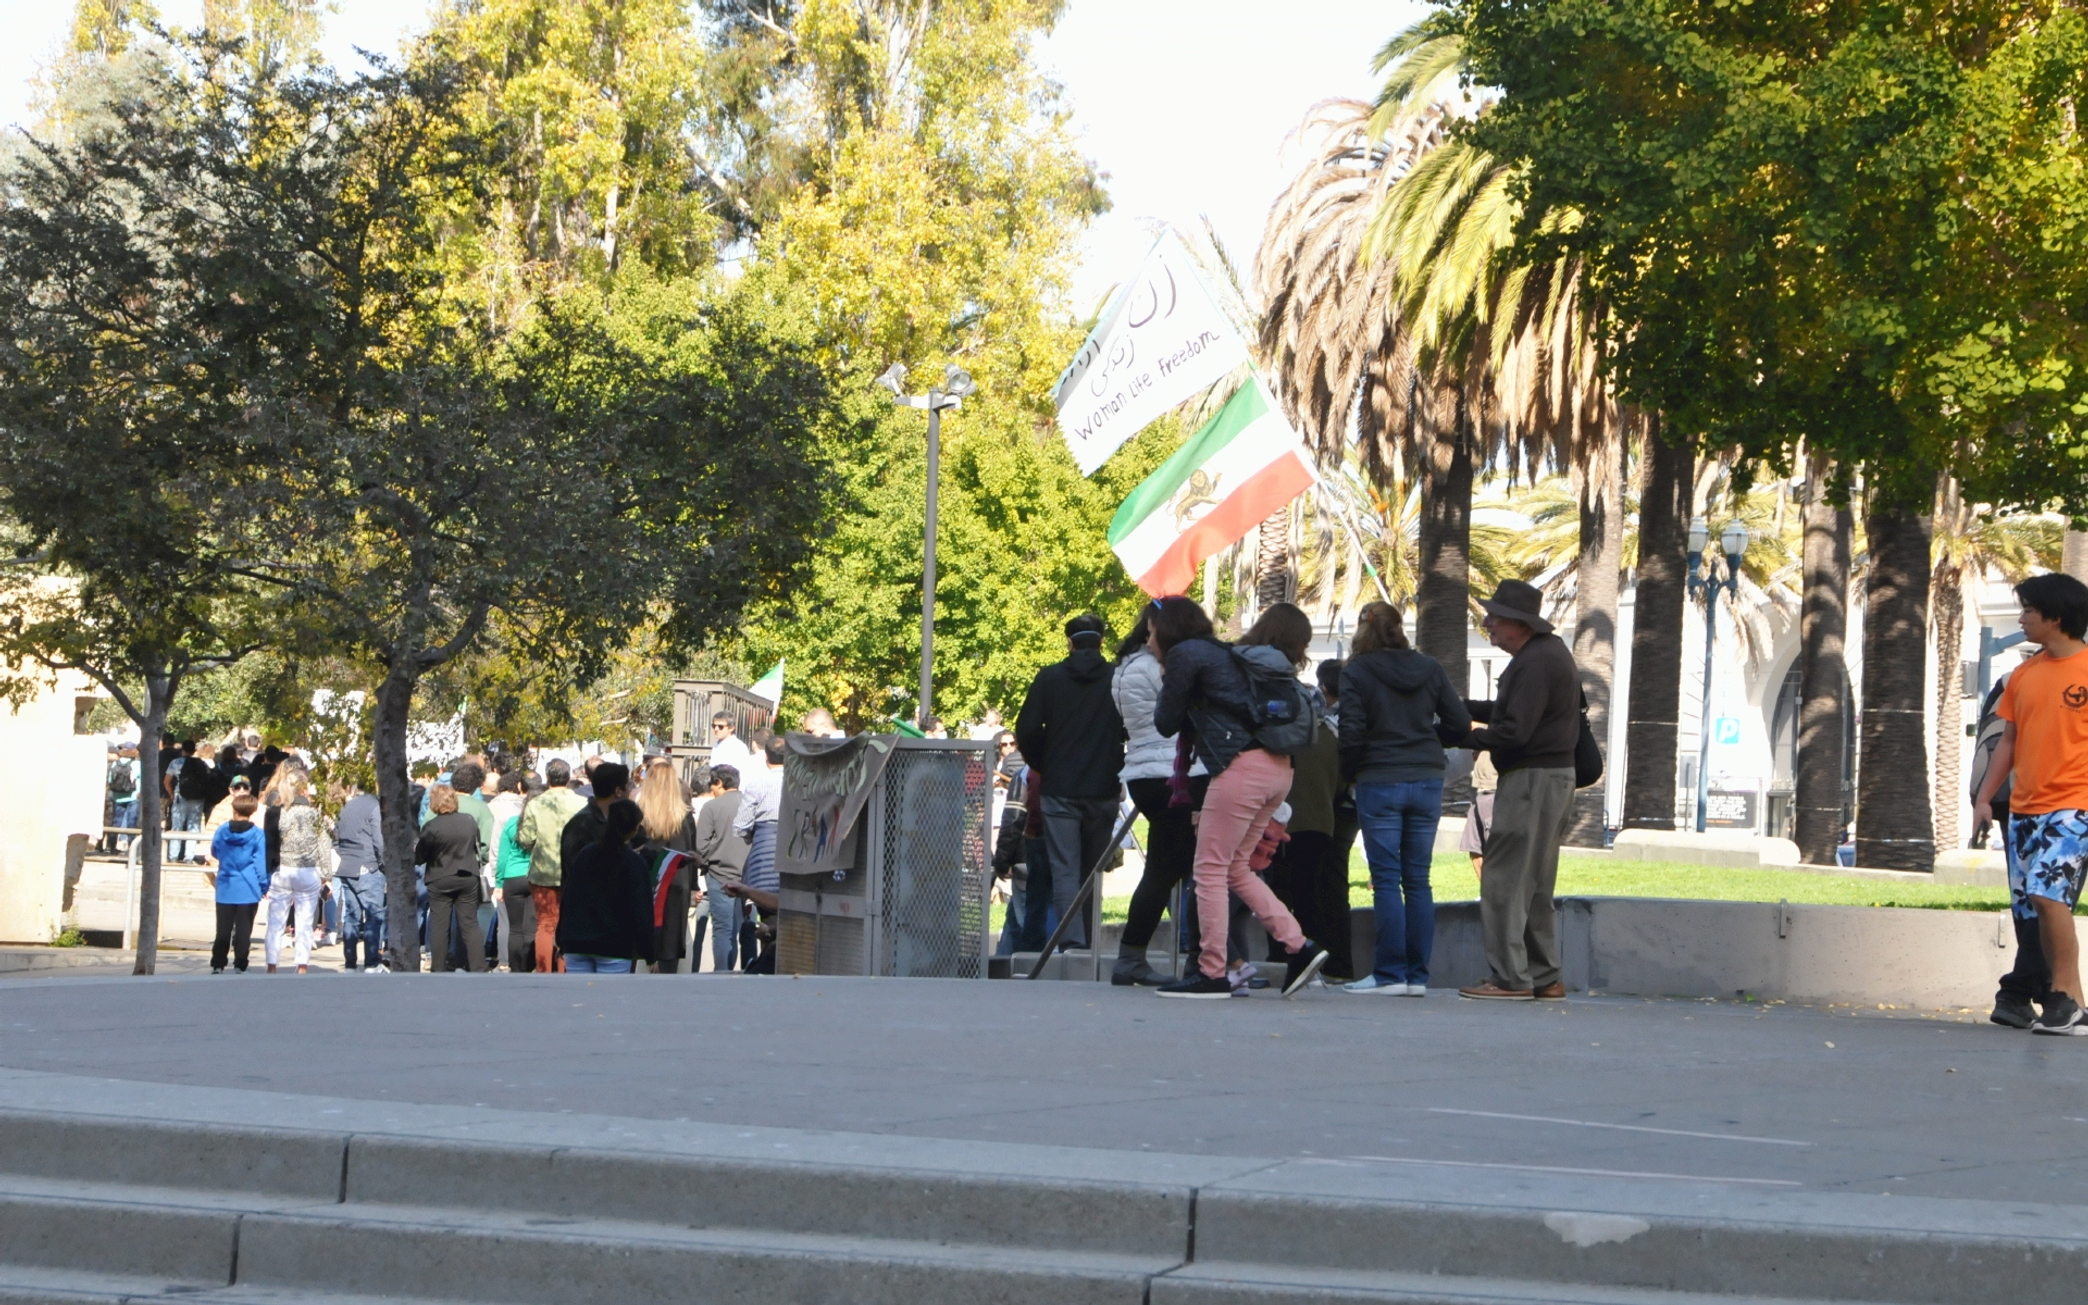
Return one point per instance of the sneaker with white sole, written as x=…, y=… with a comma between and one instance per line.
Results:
x=1198, y=987
x=1417, y=990
x=1304, y=967
x=2063, y=1017
x=1372, y=983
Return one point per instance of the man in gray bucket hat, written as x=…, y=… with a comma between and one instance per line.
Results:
x=1530, y=729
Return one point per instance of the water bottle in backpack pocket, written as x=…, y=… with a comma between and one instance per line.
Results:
x=1283, y=718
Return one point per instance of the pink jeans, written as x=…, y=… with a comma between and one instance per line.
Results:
x=1236, y=809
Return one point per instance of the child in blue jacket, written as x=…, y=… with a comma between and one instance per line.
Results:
x=240, y=851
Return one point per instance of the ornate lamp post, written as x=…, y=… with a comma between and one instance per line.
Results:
x=957, y=385
x=1733, y=540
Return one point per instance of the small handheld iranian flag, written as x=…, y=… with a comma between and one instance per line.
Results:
x=1231, y=475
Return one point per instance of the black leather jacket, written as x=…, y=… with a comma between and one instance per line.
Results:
x=1203, y=690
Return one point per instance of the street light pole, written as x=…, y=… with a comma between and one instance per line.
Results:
x=957, y=385
x=928, y=568
x=1701, y=580
x=1703, y=793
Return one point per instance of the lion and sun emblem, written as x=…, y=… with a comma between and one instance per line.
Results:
x=1199, y=492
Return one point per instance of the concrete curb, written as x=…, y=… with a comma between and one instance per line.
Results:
x=445, y=1203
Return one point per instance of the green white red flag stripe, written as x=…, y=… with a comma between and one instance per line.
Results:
x=1242, y=466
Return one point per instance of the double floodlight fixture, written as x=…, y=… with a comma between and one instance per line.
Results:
x=957, y=386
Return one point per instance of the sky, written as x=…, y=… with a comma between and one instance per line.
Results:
x=1184, y=103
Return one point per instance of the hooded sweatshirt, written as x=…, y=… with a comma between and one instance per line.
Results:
x=240, y=850
x=1397, y=708
x=1069, y=729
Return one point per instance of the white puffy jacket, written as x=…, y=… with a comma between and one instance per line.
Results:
x=1136, y=688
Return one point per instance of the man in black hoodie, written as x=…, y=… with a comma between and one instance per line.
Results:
x=1071, y=733
x=1530, y=729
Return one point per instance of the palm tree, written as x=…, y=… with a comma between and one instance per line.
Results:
x=1338, y=353
x=1823, y=673
x=1448, y=230
x=1893, y=826
x=1968, y=544
x=1652, y=736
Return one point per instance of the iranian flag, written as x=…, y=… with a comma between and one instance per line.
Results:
x=1224, y=482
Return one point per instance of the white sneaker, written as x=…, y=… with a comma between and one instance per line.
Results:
x=379, y=968
x=1417, y=990
x=1372, y=983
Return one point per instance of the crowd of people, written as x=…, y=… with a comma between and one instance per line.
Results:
x=1255, y=784
x=589, y=869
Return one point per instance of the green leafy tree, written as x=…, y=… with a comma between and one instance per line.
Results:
x=944, y=200
x=556, y=486
x=149, y=268
x=1796, y=215
x=596, y=106
x=107, y=27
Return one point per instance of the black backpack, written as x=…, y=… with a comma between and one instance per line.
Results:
x=196, y=780
x=1284, y=720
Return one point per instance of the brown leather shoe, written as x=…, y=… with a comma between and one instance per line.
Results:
x=1489, y=992
x=1551, y=992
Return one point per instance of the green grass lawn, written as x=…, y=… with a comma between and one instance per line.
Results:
x=1453, y=880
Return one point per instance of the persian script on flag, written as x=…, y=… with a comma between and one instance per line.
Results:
x=1231, y=475
x=1162, y=340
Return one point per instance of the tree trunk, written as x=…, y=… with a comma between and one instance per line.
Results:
x=395, y=807
x=159, y=696
x=1893, y=829
x=1443, y=596
x=1823, y=674
x=1656, y=635
x=1595, y=619
x=2074, y=554
x=1950, y=723
x=1272, y=575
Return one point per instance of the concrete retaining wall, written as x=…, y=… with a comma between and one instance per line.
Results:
x=1643, y=947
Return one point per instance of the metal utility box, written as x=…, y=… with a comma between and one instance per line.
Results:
x=907, y=894
x=695, y=702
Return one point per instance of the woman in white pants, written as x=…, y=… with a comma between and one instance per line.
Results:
x=305, y=866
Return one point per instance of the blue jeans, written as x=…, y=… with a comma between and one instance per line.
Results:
x=726, y=915
x=362, y=916
x=578, y=964
x=1399, y=829
x=188, y=814
x=123, y=815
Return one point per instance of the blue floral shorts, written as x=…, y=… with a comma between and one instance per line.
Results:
x=2048, y=858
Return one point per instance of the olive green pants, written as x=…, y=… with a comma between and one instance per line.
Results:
x=1516, y=920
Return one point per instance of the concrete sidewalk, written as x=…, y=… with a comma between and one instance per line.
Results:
x=1749, y=1097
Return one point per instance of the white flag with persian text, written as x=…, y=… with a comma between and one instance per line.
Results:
x=1162, y=339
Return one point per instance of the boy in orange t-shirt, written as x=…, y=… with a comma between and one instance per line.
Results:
x=2044, y=741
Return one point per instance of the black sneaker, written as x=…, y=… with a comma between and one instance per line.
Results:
x=1132, y=972
x=1199, y=987
x=2063, y=1017
x=1304, y=967
x=2013, y=1011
